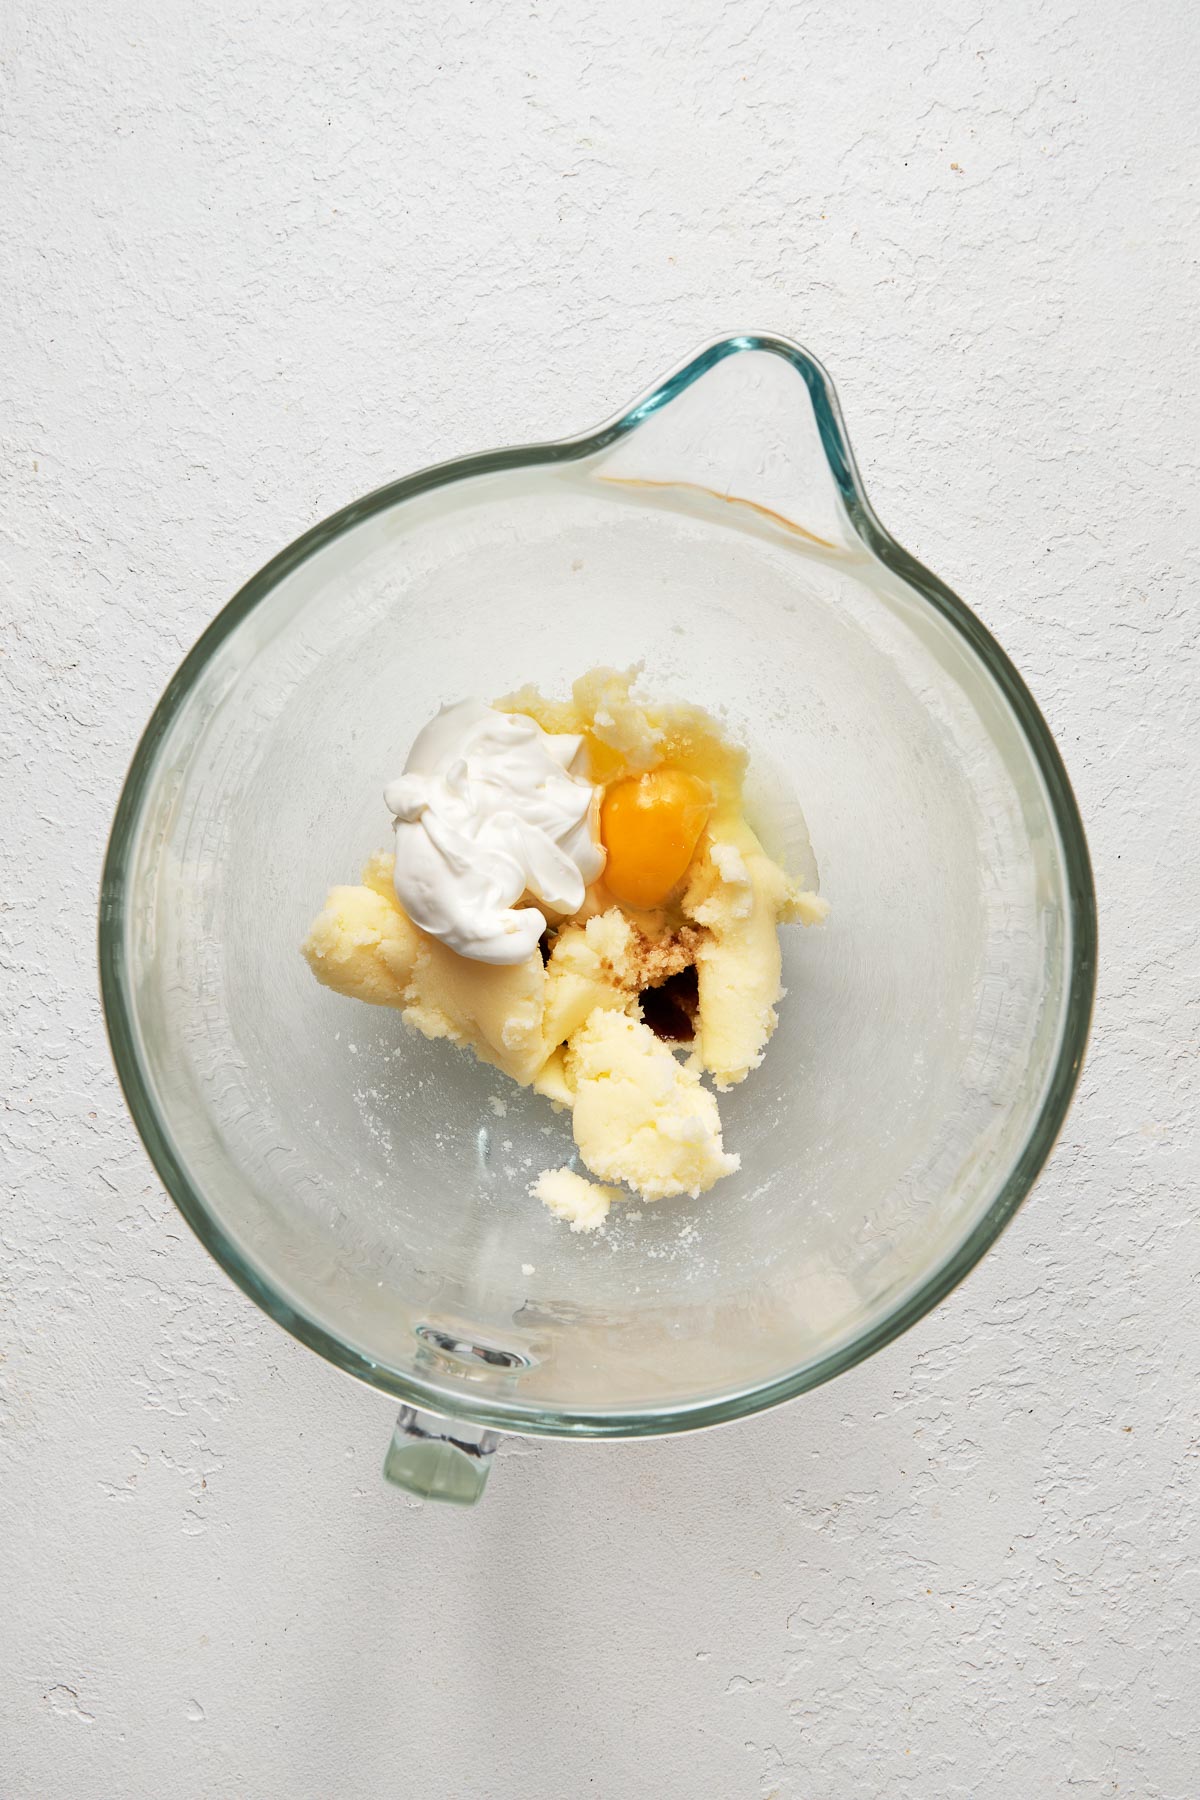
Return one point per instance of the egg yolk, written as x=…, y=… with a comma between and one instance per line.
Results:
x=650, y=826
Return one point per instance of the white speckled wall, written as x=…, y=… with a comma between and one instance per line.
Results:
x=256, y=260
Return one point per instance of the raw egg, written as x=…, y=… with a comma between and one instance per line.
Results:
x=650, y=825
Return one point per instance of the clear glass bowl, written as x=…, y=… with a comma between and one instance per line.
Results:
x=356, y=1180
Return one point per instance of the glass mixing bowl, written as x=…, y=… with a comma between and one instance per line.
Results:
x=358, y=1181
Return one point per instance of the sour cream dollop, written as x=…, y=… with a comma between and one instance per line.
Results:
x=490, y=809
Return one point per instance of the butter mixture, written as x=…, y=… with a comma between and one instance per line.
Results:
x=576, y=897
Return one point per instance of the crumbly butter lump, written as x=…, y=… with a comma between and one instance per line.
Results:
x=582, y=1203
x=640, y=1116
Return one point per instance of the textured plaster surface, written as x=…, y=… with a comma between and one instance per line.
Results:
x=258, y=259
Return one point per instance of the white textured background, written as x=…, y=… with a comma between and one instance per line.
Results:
x=260, y=258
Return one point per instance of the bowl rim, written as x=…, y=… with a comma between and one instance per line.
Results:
x=647, y=1421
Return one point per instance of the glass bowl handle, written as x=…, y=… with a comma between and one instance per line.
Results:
x=439, y=1459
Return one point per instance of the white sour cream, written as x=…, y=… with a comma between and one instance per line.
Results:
x=489, y=810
